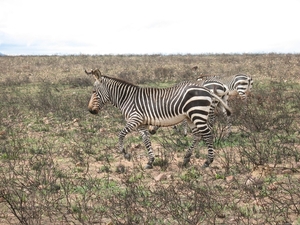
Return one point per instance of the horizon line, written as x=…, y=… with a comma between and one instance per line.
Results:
x=152, y=54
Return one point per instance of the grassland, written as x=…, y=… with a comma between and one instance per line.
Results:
x=59, y=165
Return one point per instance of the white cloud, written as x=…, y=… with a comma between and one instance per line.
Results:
x=145, y=27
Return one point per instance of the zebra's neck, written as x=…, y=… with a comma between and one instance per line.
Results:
x=120, y=92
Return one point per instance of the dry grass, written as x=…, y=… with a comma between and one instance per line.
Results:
x=58, y=163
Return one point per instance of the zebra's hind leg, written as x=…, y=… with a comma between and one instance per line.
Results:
x=189, y=152
x=146, y=139
x=228, y=117
x=204, y=132
x=208, y=138
x=195, y=142
x=127, y=129
x=126, y=154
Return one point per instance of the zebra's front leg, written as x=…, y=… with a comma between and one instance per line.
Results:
x=146, y=139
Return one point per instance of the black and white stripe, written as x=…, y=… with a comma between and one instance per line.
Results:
x=223, y=92
x=238, y=84
x=223, y=86
x=158, y=107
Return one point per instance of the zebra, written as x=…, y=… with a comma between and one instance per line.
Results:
x=214, y=86
x=144, y=106
x=238, y=84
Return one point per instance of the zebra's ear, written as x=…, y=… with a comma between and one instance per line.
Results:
x=96, y=73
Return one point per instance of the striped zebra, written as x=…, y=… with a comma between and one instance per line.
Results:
x=142, y=106
x=238, y=84
x=223, y=92
x=219, y=89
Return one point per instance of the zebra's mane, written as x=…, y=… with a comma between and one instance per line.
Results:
x=134, y=85
x=225, y=78
x=120, y=80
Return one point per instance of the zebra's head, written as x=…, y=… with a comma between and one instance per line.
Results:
x=99, y=96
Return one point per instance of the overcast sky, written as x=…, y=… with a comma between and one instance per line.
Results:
x=35, y=27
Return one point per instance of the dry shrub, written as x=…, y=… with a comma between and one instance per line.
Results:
x=58, y=163
x=269, y=126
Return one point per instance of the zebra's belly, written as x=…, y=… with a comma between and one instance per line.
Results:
x=165, y=122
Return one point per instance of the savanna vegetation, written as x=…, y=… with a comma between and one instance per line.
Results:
x=59, y=164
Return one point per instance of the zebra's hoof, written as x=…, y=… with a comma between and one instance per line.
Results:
x=148, y=166
x=123, y=151
x=205, y=165
x=185, y=162
x=152, y=132
x=127, y=156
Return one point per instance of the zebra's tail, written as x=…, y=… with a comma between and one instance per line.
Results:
x=227, y=108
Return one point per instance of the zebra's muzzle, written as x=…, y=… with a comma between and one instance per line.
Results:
x=94, y=111
x=93, y=106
